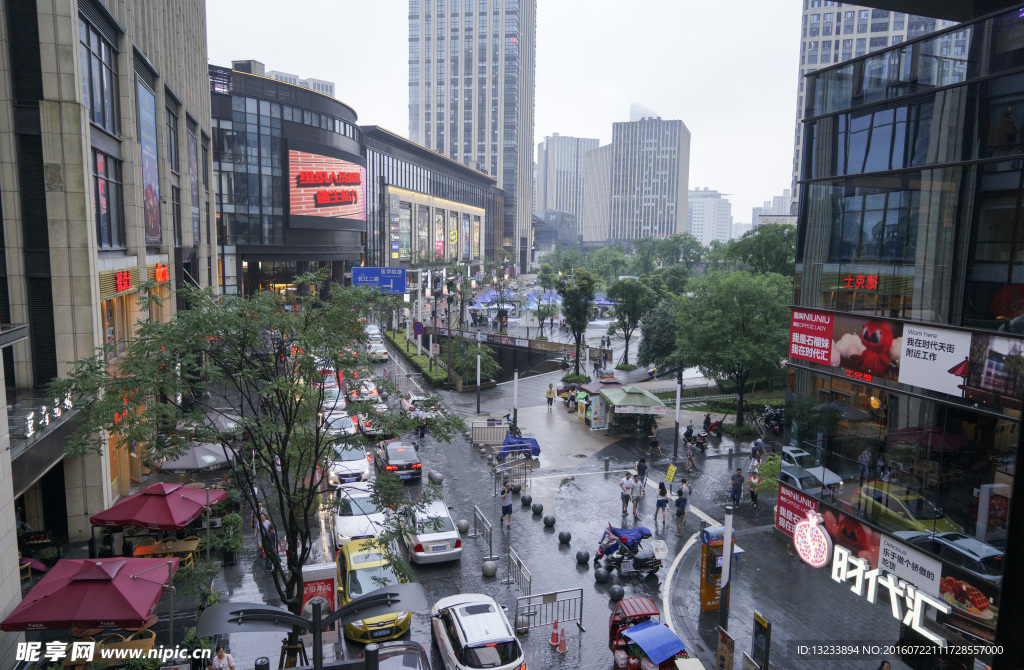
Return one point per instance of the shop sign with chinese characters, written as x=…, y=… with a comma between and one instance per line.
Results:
x=866, y=582
x=859, y=282
x=810, y=336
x=910, y=565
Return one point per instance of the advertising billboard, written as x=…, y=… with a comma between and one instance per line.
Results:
x=146, y=101
x=193, y=179
x=326, y=189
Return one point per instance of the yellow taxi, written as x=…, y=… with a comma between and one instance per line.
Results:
x=362, y=568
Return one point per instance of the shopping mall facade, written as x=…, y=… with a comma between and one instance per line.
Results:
x=906, y=361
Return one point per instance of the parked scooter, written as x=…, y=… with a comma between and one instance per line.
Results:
x=774, y=418
x=688, y=438
x=714, y=427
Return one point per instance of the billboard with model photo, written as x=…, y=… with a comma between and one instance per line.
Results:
x=326, y=187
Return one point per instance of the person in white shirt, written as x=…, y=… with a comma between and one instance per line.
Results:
x=636, y=488
x=626, y=485
x=222, y=660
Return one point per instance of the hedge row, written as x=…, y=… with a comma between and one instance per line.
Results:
x=436, y=377
x=749, y=404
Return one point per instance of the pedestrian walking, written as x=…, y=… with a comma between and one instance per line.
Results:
x=690, y=465
x=550, y=394
x=506, y=504
x=635, y=489
x=626, y=485
x=423, y=427
x=662, y=503
x=642, y=471
x=755, y=464
x=682, y=498
x=758, y=449
x=752, y=483
x=597, y=368
x=880, y=465
x=865, y=463
x=654, y=444
x=270, y=546
x=736, y=486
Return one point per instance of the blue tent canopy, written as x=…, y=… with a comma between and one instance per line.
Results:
x=601, y=300
x=491, y=295
x=656, y=640
x=515, y=445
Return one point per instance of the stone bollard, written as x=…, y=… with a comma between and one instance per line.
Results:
x=582, y=556
x=526, y=500
x=538, y=509
x=490, y=568
x=600, y=575
x=616, y=592
x=463, y=526
x=549, y=521
x=565, y=537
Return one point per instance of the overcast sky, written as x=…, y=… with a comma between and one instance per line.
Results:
x=729, y=71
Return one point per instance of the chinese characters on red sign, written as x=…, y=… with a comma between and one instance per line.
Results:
x=331, y=198
x=810, y=336
x=863, y=376
x=313, y=178
x=866, y=282
x=124, y=281
x=793, y=508
x=324, y=186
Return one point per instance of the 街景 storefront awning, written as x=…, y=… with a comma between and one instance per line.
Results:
x=633, y=400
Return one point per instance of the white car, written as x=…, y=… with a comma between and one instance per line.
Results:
x=372, y=330
x=798, y=458
x=372, y=423
x=334, y=400
x=476, y=626
x=364, y=390
x=420, y=406
x=430, y=534
x=349, y=463
x=340, y=424
x=355, y=516
x=378, y=352
x=802, y=480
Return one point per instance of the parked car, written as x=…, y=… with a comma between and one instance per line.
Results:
x=802, y=480
x=372, y=329
x=400, y=655
x=374, y=422
x=378, y=352
x=362, y=569
x=898, y=508
x=430, y=534
x=340, y=424
x=471, y=631
x=349, y=463
x=355, y=515
x=399, y=459
x=976, y=557
x=365, y=390
x=423, y=406
x=797, y=457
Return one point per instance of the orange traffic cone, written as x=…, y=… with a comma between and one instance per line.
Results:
x=561, y=643
x=554, y=634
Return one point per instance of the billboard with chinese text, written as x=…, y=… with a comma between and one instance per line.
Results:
x=325, y=191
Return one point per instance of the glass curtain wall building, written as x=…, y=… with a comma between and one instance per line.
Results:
x=472, y=70
x=907, y=340
x=283, y=206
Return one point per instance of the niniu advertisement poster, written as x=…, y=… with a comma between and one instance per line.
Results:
x=984, y=368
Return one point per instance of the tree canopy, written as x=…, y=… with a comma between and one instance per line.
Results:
x=734, y=326
x=658, y=327
x=578, y=291
x=633, y=300
x=767, y=248
x=645, y=252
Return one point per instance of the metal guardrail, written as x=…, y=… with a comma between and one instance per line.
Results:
x=482, y=528
x=515, y=470
x=544, y=609
x=412, y=381
x=517, y=572
x=488, y=432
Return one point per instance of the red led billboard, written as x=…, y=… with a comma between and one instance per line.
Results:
x=324, y=187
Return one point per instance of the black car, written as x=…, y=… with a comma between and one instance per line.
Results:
x=399, y=655
x=399, y=459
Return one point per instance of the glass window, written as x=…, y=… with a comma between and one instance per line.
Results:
x=115, y=324
x=176, y=214
x=172, y=139
x=99, y=78
x=108, y=201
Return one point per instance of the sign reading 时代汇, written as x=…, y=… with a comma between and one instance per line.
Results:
x=810, y=336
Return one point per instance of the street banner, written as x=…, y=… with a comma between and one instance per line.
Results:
x=792, y=508
x=749, y=664
x=810, y=336
x=762, y=641
x=319, y=583
x=726, y=647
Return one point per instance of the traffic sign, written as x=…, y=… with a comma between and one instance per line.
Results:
x=670, y=474
x=417, y=328
x=388, y=280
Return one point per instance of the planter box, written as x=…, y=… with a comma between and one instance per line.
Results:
x=464, y=388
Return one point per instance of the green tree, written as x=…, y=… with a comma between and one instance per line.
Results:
x=658, y=334
x=546, y=277
x=577, y=291
x=463, y=359
x=768, y=248
x=570, y=259
x=691, y=251
x=544, y=312
x=735, y=326
x=608, y=263
x=675, y=278
x=267, y=366
x=633, y=301
x=644, y=255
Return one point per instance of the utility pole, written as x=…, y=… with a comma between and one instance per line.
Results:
x=478, y=378
x=723, y=606
x=679, y=392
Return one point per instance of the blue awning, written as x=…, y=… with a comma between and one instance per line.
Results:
x=656, y=640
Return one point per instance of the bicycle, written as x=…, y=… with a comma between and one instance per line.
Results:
x=513, y=427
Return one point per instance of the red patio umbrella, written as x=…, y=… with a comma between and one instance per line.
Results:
x=162, y=506
x=94, y=593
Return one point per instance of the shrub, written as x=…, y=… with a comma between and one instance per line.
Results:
x=436, y=377
x=541, y=338
x=746, y=430
x=627, y=367
x=579, y=379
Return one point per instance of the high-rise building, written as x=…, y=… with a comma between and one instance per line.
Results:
x=780, y=205
x=649, y=180
x=833, y=32
x=909, y=320
x=709, y=215
x=107, y=193
x=597, y=198
x=259, y=69
x=471, y=95
x=560, y=170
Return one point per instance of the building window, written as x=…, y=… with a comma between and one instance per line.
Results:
x=108, y=201
x=176, y=213
x=115, y=325
x=99, y=78
x=172, y=139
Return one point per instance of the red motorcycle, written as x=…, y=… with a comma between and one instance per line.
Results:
x=714, y=427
